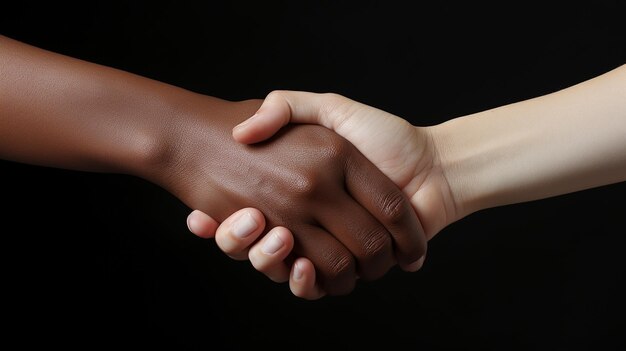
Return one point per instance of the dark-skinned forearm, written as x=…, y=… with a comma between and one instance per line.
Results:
x=63, y=112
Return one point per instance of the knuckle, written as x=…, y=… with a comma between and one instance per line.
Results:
x=376, y=243
x=306, y=186
x=275, y=94
x=339, y=265
x=393, y=207
x=378, y=257
x=337, y=109
x=334, y=149
x=326, y=146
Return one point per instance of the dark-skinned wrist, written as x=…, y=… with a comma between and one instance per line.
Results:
x=146, y=149
x=191, y=129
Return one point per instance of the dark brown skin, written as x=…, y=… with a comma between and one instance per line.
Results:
x=346, y=216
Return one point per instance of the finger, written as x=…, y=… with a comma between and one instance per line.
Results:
x=201, y=224
x=335, y=265
x=268, y=254
x=415, y=266
x=363, y=235
x=282, y=107
x=386, y=202
x=235, y=235
x=302, y=280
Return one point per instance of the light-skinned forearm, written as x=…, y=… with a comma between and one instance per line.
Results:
x=563, y=142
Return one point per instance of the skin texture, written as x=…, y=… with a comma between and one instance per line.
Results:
x=345, y=215
x=571, y=140
x=406, y=154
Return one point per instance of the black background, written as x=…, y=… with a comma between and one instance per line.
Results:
x=106, y=260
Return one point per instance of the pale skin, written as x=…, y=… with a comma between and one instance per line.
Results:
x=567, y=141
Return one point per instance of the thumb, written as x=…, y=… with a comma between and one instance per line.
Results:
x=281, y=107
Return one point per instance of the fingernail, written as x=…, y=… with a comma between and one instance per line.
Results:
x=272, y=244
x=246, y=121
x=189, y=224
x=244, y=226
x=297, y=271
x=415, y=266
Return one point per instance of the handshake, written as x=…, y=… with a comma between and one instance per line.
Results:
x=315, y=189
x=338, y=206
